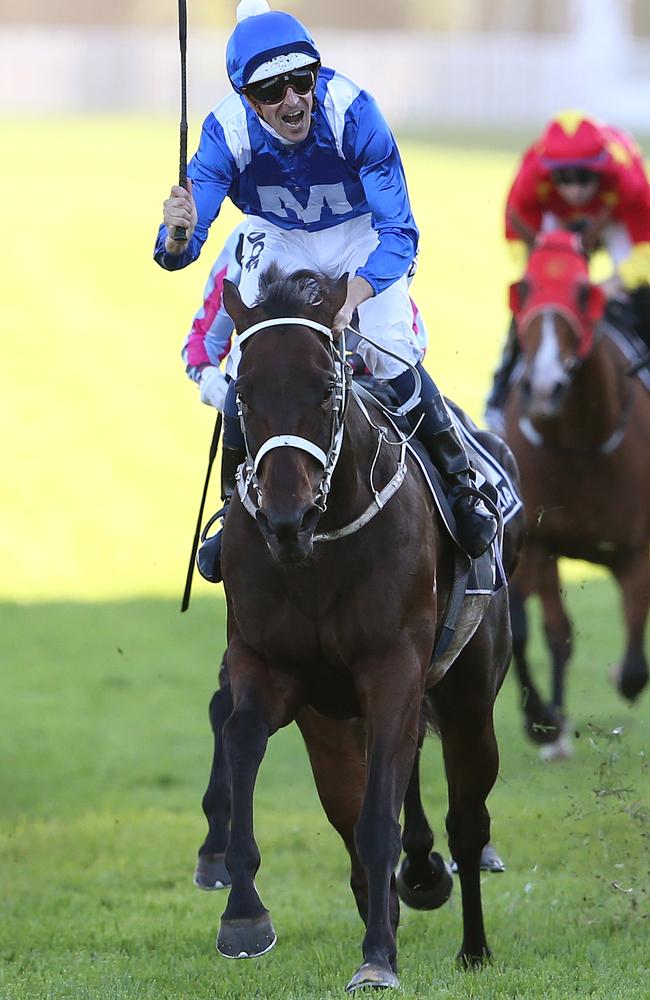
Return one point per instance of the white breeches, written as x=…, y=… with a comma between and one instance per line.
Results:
x=387, y=317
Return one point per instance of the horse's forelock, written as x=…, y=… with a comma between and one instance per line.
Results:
x=282, y=294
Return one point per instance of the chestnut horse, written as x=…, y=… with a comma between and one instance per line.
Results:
x=579, y=427
x=335, y=593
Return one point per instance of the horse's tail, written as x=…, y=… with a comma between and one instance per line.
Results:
x=428, y=718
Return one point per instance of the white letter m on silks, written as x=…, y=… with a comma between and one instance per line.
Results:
x=276, y=200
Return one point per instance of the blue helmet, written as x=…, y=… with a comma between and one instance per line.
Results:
x=267, y=43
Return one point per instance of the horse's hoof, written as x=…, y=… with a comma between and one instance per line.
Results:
x=630, y=683
x=468, y=960
x=210, y=872
x=430, y=892
x=561, y=749
x=490, y=861
x=374, y=976
x=246, y=938
x=545, y=726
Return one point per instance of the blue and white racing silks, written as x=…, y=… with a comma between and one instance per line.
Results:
x=347, y=167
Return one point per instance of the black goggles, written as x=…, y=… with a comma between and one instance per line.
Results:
x=574, y=175
x=272, y=91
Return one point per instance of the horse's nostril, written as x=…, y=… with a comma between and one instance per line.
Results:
x=284, y=528
x=288, y=529
x=310, y=520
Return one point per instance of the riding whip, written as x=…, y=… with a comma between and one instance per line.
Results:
x=185, y=603
x=180, y=233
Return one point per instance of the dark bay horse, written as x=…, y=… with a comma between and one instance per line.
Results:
x=332, y=618
x=580, y=431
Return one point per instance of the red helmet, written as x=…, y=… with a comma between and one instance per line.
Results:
x=573, y=139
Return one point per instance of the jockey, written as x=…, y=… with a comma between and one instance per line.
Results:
x=586, y=176
x=308, y=157
x=209, y=340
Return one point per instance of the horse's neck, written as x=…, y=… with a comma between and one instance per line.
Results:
x=594, y=407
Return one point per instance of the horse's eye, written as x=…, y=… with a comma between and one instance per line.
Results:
x=328, y=393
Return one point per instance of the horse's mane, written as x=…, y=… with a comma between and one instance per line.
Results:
x=282, y=294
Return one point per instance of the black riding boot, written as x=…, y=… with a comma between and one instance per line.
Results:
x=501, y=380
x=477, y=526
x=208, y=558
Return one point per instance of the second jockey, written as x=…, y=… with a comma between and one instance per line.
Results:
x=306, y=155
x=590, y=177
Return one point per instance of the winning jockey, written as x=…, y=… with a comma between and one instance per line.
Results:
x=307, y=156
x=585, y=175
x=209, y=340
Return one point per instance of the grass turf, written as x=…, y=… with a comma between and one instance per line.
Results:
x=105, y=735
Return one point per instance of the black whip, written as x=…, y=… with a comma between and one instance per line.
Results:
x=185, y=603
x=180, y=233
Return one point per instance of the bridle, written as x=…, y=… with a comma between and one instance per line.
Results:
x=247, y=477
x=329, y=459
x=571, y=368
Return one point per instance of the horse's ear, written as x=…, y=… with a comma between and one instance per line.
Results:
x=338, y=294
x=517, y=295
x=591, y=301
x=239, y=313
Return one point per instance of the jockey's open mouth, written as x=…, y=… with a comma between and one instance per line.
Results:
x=294, y=119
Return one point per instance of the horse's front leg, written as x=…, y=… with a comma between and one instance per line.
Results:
x=543, y=723
x=424, y=879
x=390, y=691
x=260, y=708
x=633, y=575
x=211, y=872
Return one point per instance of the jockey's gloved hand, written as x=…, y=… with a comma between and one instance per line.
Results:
x=213, y=386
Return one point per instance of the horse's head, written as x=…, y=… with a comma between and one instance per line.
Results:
x=555, y=308
x=291, y=395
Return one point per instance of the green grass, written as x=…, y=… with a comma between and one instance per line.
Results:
x=106, y=741
x=104, y=735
